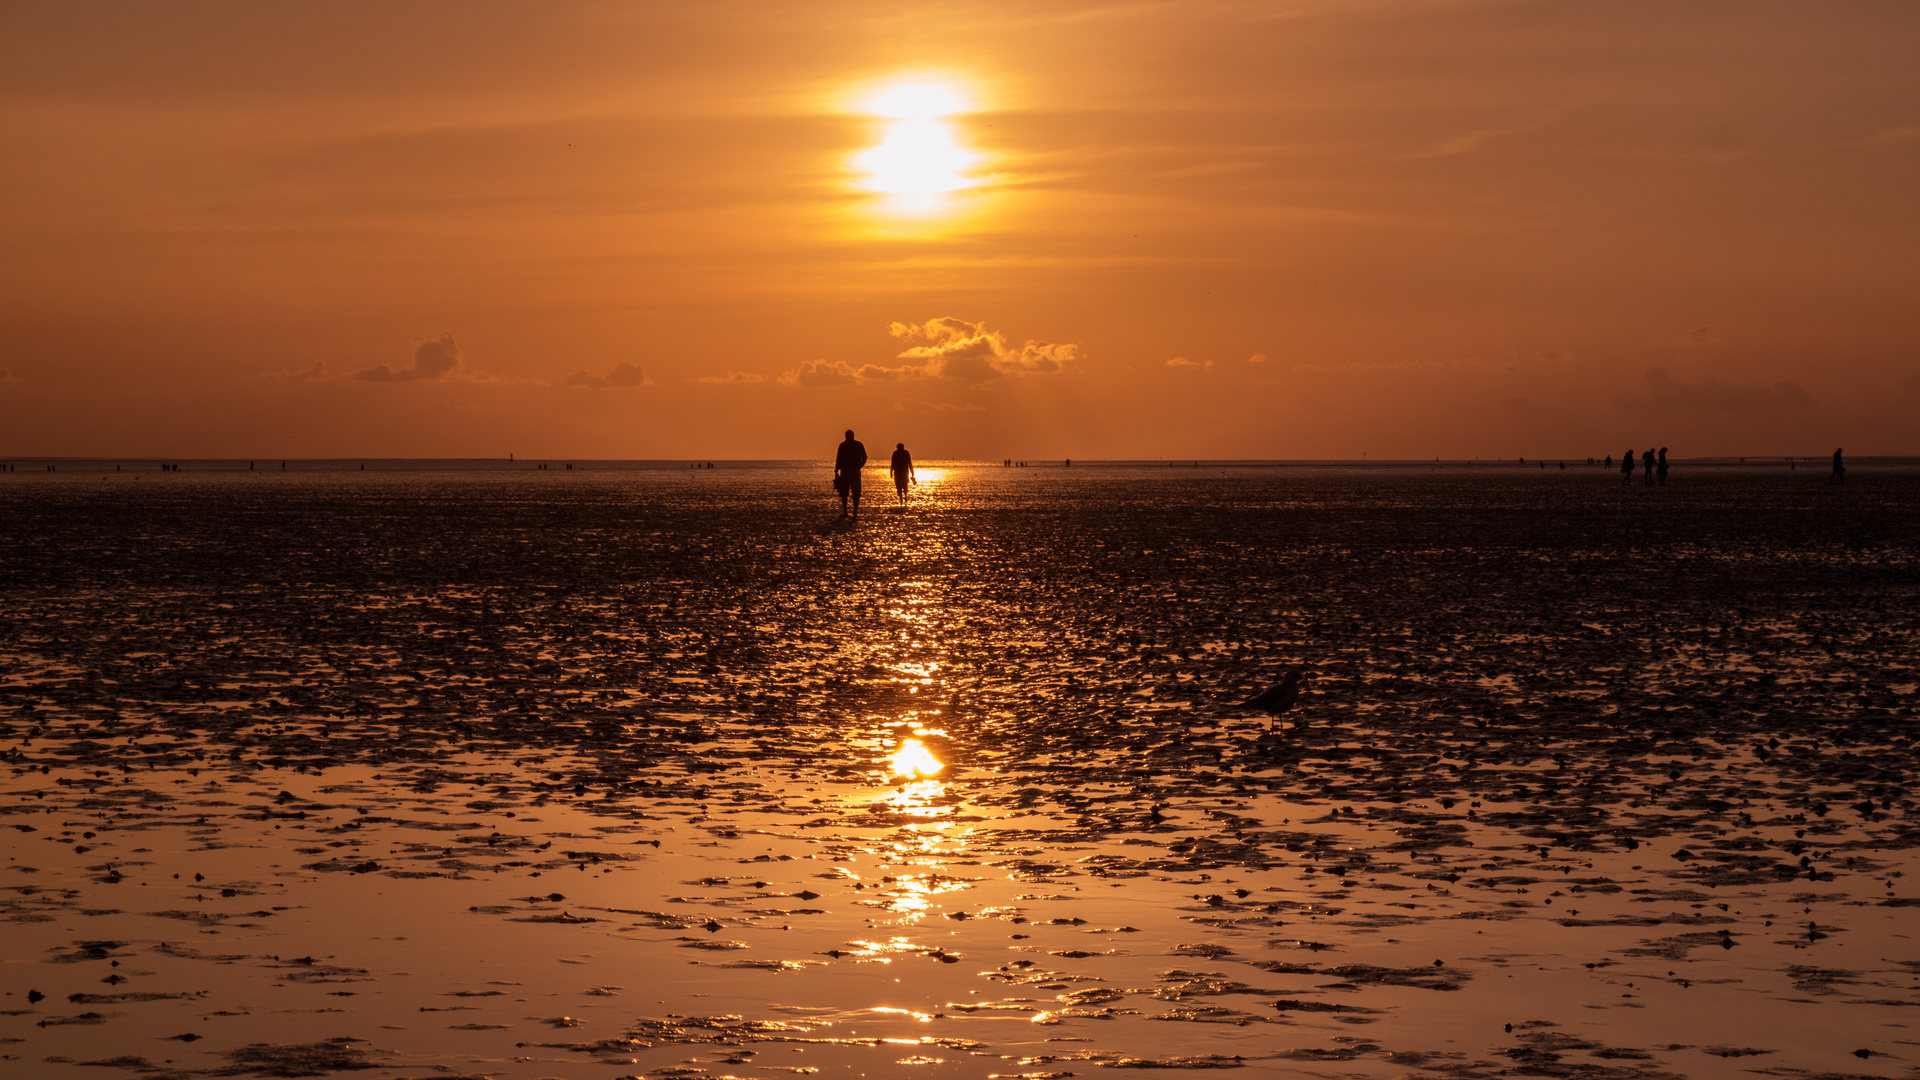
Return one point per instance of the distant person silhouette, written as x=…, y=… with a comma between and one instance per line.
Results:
x=1661, y=468
x=1626, y=467
x=847, y=463
x=1647, y=460
x=1839, y=474
x=902, y=468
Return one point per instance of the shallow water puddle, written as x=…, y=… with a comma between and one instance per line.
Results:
x=684, y=805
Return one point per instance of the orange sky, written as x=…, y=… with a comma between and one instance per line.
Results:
x=1226, y=230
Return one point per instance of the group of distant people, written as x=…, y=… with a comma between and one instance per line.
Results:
x=1655, y=462
x=852, y=457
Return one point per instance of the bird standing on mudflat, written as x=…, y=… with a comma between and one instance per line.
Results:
x=1279, y=697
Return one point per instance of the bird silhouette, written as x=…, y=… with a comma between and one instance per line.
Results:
x=1279, y=697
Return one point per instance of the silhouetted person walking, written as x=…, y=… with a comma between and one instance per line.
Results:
x=1839, y=474
x=1646, y=459
x=902, y=468
x=1626, y=467
x=1660, y=470
x=847, y=463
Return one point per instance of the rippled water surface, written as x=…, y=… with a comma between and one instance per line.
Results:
x=603, y=773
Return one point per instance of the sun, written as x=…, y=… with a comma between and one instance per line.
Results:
x=914, y=759
x=915, y=101
x=919, y=160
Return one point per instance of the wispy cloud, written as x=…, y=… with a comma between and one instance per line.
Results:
x=1470, y=141
x=819, y=373
x=1457, y=363
x=1528, y=407
x=305, y=374
x=1183, y=362
x=733, y=377
x=1670, y=395
x=623, y=374
x=913, y=405
x=1895, y=136
x=1394, y=365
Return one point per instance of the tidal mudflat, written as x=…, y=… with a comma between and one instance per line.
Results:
x=611, y=774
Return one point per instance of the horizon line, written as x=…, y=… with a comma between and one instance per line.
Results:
x=1018, y=462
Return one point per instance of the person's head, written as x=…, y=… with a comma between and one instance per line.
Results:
x=899, y=446
x=849, y=434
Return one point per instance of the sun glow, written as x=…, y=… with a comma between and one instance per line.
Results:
x=914, y=759
x=919, y=161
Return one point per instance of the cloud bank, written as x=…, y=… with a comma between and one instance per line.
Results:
x=943, y=348
x=433, y=358
x=957, y=349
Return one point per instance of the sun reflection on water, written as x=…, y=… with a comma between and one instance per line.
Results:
x=914, y=759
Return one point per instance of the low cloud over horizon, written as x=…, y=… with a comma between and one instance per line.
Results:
x=943, y=348
x=623, y=374
x=433, y=358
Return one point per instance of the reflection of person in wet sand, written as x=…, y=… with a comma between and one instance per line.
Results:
x=902, y=471
x=847, y=463
x=1626, y=467
x=1839, y=474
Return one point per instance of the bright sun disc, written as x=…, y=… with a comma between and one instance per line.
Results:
x=918, y=160
x=914, y=759
x=914, y=101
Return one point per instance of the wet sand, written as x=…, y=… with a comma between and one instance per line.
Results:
x=593, y=774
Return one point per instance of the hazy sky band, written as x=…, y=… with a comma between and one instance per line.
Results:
x=1224, y=230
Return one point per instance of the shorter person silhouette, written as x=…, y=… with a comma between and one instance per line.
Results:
x=1646, y=459
x=1660, y=469
x=1626, y=467
x=902, y=467
x=1839, y=474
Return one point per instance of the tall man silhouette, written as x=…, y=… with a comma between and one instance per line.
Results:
x=847, y=463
